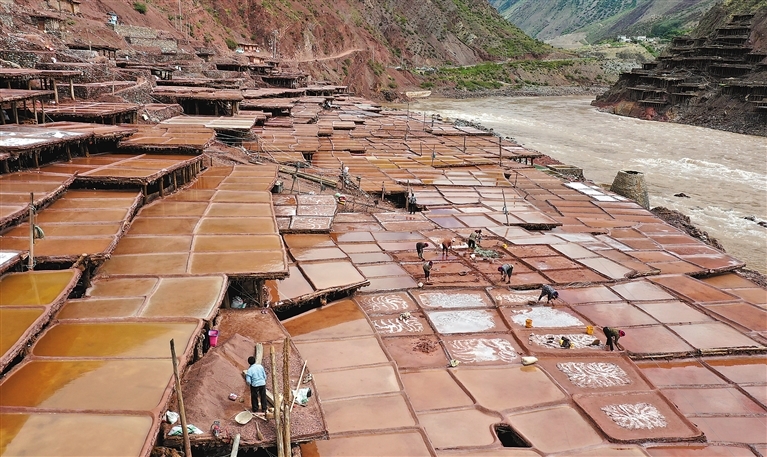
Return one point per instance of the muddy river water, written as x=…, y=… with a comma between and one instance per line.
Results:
x=724, y=174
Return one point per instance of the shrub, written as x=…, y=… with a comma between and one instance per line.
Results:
x=140, y=7
x=230, y=43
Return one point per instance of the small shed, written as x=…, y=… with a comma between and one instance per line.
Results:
x=68, y=6
x=46, y=22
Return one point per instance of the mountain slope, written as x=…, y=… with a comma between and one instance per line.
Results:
x=352, y=42
x=600, y=19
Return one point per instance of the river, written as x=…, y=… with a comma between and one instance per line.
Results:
x=724, y=174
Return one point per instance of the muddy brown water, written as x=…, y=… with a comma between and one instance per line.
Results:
x=724, y=174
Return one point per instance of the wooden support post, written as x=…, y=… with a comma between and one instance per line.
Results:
x=162, y=186
x=181, y=410
x=31, y=260
x=34, y=108
x=505, y=209
x=42, y=111
x=2, y=116
x=37, y=159
x=15, y=112
x=55, y=92
x=69, y=154
x=277, y=403
x=259, y=353
x=500, y=153
x=144, y=191
x=236, y=445
x=71, y=89
x=175, y=181
x=287, y=396
x=298, y=386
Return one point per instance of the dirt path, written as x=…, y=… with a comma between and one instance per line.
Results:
x=333, y=57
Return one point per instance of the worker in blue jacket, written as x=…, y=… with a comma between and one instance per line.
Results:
x=256, y=379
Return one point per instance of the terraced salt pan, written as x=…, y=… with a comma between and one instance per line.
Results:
x=578, y=341
x=545, y=317
x=461, y=321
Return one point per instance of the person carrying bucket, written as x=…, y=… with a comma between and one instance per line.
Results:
x=256, y=379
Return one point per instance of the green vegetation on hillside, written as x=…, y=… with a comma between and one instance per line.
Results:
x=514, y=74
x=744, y=6
x=140, y=7
x=501, y=38
x=604, y=19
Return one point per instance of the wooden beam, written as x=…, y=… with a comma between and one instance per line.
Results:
x=182, y=411
x=259, y=353
x=277, y=406
x=287, y=396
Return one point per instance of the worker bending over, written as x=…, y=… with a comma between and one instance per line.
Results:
x=613, y=335
x=548, y=292
x=506, y=270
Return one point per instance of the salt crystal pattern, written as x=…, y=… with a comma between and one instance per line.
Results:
x=578, y=341
x=635, y=416
x=546, y=317
x=384, y=303
x=594, y=375
x=395, y=325
x=482, y=350
x=443, y=300
x=461, y=321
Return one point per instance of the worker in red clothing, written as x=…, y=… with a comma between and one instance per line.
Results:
x=447, y=244
x=613, y=335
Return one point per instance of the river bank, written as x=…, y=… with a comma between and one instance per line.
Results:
x=513, y=91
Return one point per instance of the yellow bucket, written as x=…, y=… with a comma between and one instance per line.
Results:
x=589, y=329
x=529, y=323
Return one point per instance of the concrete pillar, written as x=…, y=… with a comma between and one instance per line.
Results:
x=631, y=184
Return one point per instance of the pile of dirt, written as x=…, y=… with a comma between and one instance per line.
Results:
x=425, y=345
